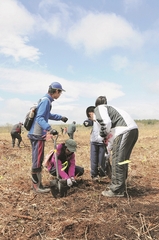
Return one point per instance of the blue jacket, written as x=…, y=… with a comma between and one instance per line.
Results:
x=40, y=125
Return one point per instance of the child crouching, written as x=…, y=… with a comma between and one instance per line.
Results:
x=67, y=168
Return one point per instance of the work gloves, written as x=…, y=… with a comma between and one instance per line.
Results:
x=64, y=119
x=74, y=183
x=88, y=123
x=69, y=182
x=53, y=132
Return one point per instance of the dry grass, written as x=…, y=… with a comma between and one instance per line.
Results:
x=84, y=214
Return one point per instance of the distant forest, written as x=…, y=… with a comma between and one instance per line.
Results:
x=7, y=127
x=148, y=121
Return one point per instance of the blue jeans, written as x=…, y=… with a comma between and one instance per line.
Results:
x=97, y=153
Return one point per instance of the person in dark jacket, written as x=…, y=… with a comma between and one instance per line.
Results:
x=71, y=130
x=16, y=134
x=124, y=132
x=38, y=131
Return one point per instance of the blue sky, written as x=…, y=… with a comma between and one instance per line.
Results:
x=93, y=48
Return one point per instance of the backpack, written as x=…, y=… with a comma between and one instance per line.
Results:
x=29, y=119
x=47, y=158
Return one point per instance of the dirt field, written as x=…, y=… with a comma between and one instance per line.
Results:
x=84, y=214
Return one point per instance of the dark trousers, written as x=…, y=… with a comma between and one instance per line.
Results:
x=14, y=136
x=70, y=135
x=37, y=154
x=97, y=154
x=78, y=171
x=122, y=148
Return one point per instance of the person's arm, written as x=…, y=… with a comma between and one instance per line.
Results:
x=18, y=129
x=62, y=173
x=73, y=128
x=55, y=117
x=42, y=115
x=58, y=117
x=71, y=170
x=103, y=119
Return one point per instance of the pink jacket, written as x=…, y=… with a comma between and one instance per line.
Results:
x=71, y=163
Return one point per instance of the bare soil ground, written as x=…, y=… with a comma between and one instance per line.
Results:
x=84, y=214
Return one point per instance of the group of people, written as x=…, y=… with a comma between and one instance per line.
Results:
x=113, y=133
x=118, y=132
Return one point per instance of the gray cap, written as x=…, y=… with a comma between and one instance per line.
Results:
x=71, y=145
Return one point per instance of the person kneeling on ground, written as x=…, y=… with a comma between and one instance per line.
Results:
x=66, y=162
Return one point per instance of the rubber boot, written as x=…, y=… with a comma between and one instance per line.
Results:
x=37, y=185
x=13, y=144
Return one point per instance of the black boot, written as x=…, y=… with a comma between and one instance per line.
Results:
x=37, y=185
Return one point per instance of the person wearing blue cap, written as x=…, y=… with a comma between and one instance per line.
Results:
x=38, y=131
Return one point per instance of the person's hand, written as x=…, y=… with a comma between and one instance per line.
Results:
x=74, y=183
x=64, y=119
x=53, y=132
x=69, y=182
x=86, y=123
x=105, y=141
x=73, y=180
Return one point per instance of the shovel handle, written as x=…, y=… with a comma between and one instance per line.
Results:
x=54, y=139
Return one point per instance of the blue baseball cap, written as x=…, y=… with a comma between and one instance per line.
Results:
x=56, y=85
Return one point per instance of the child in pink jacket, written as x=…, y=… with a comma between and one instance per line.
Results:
x=66, y=162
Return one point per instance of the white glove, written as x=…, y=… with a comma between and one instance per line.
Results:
x=73, y=180
x=69, y=182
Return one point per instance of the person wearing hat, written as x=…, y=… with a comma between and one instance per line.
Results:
x=38, y=131
x=66, y=162
x=16, y=133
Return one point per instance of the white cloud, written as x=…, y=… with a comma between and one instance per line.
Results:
x=55, y=17
x=93, y=32
x=20, y=81
x=16, y=25
x=36, y=84
x=98, y=32
x=12, y=111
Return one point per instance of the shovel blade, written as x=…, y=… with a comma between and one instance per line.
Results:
x=58, y=188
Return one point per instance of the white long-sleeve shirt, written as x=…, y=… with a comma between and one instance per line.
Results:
x=113, y=119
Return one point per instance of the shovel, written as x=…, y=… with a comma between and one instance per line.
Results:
x=58, y=186
x=108, y=164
